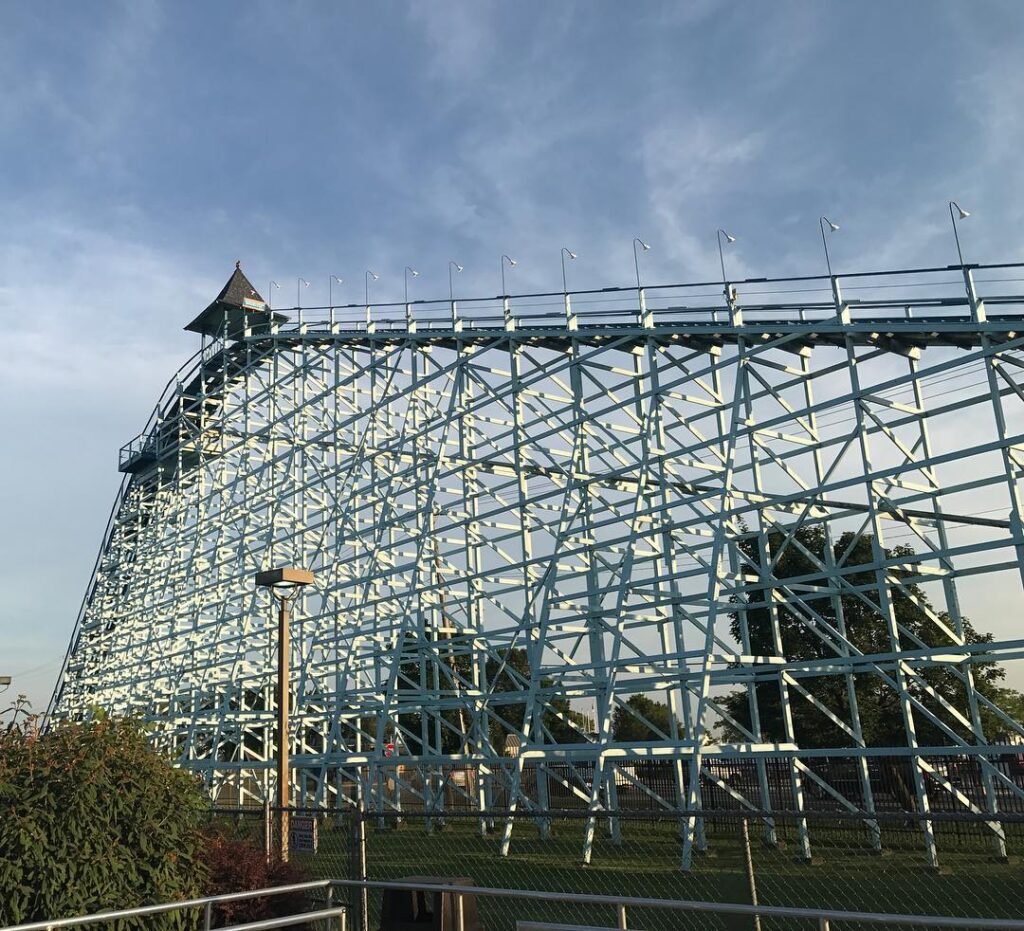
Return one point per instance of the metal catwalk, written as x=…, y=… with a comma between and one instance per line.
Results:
x=760, y=505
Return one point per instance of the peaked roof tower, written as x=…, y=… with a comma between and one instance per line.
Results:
x=238, y=303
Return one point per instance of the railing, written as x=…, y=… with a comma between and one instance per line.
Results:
x=206, y=904
x=620, y=905
x=893, y=296
x=946, y=294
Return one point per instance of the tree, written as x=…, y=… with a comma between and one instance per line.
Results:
x=91, y=818
x=626, y=726
x=866, y=628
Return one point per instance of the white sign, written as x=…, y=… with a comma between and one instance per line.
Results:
x=302, y=836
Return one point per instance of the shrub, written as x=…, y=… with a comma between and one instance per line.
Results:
x=235, y=864
x=91, y=819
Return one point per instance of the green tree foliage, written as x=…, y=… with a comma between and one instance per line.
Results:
x=626, y=726
x=920, y=626
x=90, y=819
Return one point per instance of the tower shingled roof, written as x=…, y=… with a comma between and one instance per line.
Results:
x=238, y=290
x=238, y=305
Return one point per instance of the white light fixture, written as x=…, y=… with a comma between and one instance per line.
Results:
x=636, y=258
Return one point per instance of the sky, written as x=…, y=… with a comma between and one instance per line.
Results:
x=147, y=146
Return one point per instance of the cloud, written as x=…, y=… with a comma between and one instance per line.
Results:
x=459, y=36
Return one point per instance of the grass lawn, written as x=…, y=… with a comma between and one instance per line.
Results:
x=844, y=872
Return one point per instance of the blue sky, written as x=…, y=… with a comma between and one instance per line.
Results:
x=145, y=146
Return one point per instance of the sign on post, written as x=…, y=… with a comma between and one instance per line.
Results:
x=302, y=835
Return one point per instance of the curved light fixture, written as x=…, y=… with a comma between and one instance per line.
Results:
x=956, y=235
x=721, y=255
x=571, y=255
x=834, y=227
x=409, y=271
x=330, y=288
x=511, y=264
x=636, y=257
x=452, y=266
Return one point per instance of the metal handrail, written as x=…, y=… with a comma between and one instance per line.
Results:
x=206, y=902
x=622, y=902
x=296, y=919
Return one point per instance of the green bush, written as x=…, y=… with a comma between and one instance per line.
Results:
x=92, y=819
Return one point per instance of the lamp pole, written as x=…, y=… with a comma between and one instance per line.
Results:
x=952, y=219
x=824, y=240
x=270, y=290
x=330, y=289
x=409, y=271
x=453, y=266
x=511, y=264
x=721, y=255
x=636, y=259
x=284, y=584
x=284, y=691
x=572, y=255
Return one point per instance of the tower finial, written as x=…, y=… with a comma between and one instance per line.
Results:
x=238, y=263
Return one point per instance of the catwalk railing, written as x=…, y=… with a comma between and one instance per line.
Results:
x=916, y=295
x=914, y=301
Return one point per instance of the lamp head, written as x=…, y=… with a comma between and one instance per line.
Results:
x=274, y=284
x=412, y=271
x=964, y=214
x=458, y=267
x=572, y=255
x=512, y=262
x=304, y=282
x=832, y=226
x=283, y=579
x=337, y=279
x=372, y=275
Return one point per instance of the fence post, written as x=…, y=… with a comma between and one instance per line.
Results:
x=621, y=914
x=208, y=916
x=359, y=870
x=460, y=917
x=748, y=862
x=267, y=839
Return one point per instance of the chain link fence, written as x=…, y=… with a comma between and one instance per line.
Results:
x=814, y=860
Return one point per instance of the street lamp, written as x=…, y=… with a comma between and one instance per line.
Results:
x=284, y=584
x=408, y=272
x=963, y=215
x=636, y=258
x=273, y=284
x=366, y=281
x=299, y=282
x=824, y=241
x=572, y=255
x=452, y=266
x=721, y=256
x=511, y=264
x=330, y=289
